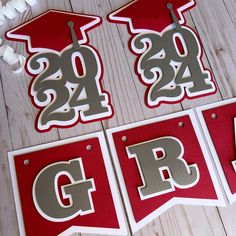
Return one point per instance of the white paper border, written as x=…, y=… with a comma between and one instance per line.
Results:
x=135, y=226
x=111, y=179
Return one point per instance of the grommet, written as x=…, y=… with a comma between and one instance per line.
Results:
x=26, y=162
x=213, y=116
x=89, y=148
x=124, y=138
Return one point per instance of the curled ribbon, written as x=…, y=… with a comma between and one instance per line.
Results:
x=10, y=11
x=10, y=57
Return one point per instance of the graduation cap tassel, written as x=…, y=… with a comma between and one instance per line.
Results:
x=175, y=19
x=73, y=35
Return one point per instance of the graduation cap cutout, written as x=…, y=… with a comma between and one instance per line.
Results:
x=142, y=15
x=50, y=30
x=58, y=38
x=169, y=54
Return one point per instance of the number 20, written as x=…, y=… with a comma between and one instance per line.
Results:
x=170, y=65
x=64, y=94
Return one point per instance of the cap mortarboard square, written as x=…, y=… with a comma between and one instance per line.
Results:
x=154, y=15
x=50, y=30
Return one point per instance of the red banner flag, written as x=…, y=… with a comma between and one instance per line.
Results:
x=160, y=163
x=66, y=187
x=219, y=123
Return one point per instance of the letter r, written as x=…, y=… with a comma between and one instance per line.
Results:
x=181, y=175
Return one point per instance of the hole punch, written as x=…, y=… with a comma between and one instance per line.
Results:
x=89, y=148
x=214, y=116
x=26, y=162
x=124, y=138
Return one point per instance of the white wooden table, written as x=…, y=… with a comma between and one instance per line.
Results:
x=217, y=29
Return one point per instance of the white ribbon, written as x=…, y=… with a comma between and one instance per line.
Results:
x=12, y=7
x=10, y=57
x=10, y=11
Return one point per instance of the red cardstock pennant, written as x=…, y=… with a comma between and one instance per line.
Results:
x=105, y=217
x=218, y=121
x=142, y=15
x=180, y=126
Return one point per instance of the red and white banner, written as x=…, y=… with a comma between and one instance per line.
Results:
x=219, y=125
x=160, y=163
x=69, y=186
x=66, y=187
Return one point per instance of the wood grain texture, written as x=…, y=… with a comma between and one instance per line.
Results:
x=216, y=27
x=217, y=31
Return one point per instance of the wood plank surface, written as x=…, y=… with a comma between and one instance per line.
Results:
x=215, y=22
